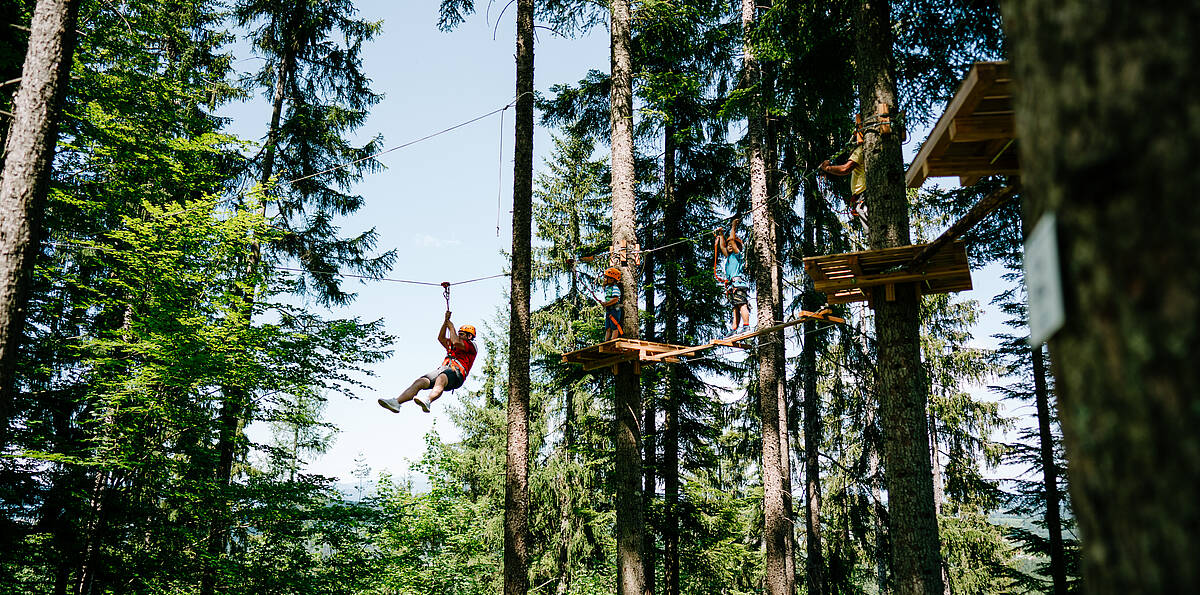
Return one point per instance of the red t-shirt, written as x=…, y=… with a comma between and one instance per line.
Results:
x=464, y=357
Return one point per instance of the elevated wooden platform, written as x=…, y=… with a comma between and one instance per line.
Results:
x=617, y=351
x=976, y=136
x=846, y=278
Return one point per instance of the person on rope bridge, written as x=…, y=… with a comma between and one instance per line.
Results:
x=611, y=281
x=460, y=355
x=858, y=182
x=730, y=247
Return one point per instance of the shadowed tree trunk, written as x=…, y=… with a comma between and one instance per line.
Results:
x=916, y=555
x=673, y=209
x=28, y=152
x=649, y=427
x=814, y=568
x=627, y=402
x=777, y=579
x=1128, y=231
x=1058, y=556
x=516, y=469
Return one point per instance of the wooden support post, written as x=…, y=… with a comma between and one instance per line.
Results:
x=884, y=118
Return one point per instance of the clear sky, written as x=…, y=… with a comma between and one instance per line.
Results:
x=436, y=203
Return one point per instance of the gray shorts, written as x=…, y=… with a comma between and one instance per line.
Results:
x=738, y=297
x=453, y=378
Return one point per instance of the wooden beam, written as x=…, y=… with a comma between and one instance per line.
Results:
x=966, y=129
x=977, y=213
x=890, y=279
x=608, y=361
x=965, y=166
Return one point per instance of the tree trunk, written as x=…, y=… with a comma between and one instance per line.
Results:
x=777, y=581
x=1058, y=557
x=566, y=513
x=516, y=484
x=627, y=402
x=24, y=183
x=916, y=555
x=650, y=416
x=814, y=568
x=1128, y=232
x=673, y=209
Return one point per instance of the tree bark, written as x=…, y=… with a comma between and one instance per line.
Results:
x=777, y=580
x=916, y=554
x=650, y=417
x=565, y=506
x=814, y=568
x=516, y=469
x=627, y=402
x=24, y=183
x=673, y=209
x=1041, y=395
x=1128, y=232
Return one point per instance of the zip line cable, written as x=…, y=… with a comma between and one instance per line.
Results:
x=296, y=270
x=500, y=174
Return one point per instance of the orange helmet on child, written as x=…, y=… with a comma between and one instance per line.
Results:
x=466, y=328
x=613, y=273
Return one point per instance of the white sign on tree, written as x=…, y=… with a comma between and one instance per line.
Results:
x=1043, y=279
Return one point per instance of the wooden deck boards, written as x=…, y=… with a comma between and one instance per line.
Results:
x=846, y=278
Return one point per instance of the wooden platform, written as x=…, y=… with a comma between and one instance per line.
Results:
x=617, y=351
x=976, y=136
x=849, y=277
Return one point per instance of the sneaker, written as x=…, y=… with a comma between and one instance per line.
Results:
x=422, y=403
x=390, y=404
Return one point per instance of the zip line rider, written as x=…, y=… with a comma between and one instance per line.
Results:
x=460, y=355
x=736, y=287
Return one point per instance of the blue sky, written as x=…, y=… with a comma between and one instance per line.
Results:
x=436, y=204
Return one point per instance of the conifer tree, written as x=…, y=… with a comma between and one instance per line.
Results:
x=916, y=562
x=29, y=144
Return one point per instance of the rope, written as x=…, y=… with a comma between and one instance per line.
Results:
x=500, y=175
x=443, y=284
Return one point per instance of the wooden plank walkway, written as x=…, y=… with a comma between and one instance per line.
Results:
x=617, y=351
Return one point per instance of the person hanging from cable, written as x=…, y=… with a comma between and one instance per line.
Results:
x=611, y=281
x=460, y=355
x=853, y=167
x=730, y=247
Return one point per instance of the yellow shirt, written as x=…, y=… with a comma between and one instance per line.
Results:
x=858, y=175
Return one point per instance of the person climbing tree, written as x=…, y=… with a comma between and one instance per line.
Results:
x=730, y=247
x=611, y=281
x=460, y=355
x=858, y=182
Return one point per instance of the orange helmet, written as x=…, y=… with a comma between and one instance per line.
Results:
x=466, y=328
x=613, y=273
